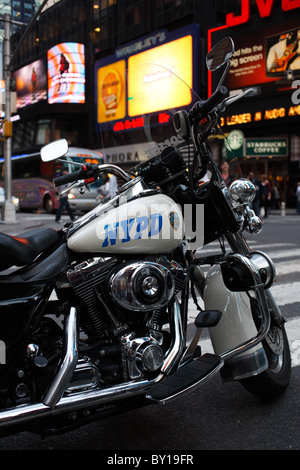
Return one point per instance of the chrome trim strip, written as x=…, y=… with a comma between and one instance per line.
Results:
x=263, y=305
x=106, y=167
x=66, y=370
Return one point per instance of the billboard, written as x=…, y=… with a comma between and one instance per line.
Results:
x=66, y=73
x=283, y=53
x=31, y=83
x=177, y=60
x=267, y=58
x=111, y=91
x=126, y=82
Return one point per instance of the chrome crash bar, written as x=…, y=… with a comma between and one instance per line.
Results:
x=54, y=403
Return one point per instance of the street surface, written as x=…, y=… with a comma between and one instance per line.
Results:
x=217, y=416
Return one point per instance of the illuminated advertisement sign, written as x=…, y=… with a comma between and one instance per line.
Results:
x=31, y=83
x=283, y=54
x=111, y=91
x=125, y=81
x=176, y=57
x=261, y=115
x=264, y=10
x=266, y=59
x=66, y=73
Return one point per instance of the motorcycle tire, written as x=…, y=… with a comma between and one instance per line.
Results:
x=271, y=383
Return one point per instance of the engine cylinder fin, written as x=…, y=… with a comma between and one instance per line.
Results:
x=84, y=279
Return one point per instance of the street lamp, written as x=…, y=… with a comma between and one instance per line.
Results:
x=8, y=208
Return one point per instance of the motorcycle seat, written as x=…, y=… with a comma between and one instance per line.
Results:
x=23, y=249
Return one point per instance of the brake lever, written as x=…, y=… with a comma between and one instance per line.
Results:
x=66, y=190
x=231, y=99
x=83, y=188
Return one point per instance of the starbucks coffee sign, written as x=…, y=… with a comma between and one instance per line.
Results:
x=267, y=147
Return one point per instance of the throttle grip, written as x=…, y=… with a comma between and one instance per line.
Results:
x=70, y=178
x=214, y=99
x=202, y=108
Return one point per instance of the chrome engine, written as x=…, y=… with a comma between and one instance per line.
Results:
x=123, y=307
x=142, y=286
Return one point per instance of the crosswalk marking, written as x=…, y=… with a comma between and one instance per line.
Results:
x=286, y=293
x=292, y=328
x=293, y=253
x=283, y=268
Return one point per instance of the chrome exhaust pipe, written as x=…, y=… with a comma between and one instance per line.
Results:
x=23, y=413
x=95, y=397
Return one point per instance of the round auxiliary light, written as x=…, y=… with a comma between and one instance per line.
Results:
x=253, y=223
x=265, y=266
x=242, y=190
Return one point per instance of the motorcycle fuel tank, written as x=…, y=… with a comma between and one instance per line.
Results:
x=144, y=225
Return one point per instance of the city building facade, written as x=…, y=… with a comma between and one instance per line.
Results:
x=98, y=34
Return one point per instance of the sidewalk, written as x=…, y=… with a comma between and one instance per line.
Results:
x=25, y=223
x=287, y=212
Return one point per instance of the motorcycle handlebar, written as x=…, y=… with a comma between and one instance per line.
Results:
x=89, y=171
x=70, y=178
x=214, y=99
x=202, y=108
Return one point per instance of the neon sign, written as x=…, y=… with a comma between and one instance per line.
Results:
x=267, y=115
x=264, y=7
x=129, y=124
x=135, y=123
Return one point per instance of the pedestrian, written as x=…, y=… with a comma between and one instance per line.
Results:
x=108, y=188
x=64, y=203
x=266, y=194
x=225, y=173
x=255, y=205
x=113, y=185
x=276, y=198
x=298, y=197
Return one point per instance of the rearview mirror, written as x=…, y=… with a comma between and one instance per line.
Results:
x=54, y=150
x=220, y=54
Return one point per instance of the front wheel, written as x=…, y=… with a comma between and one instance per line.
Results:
x=273, y=381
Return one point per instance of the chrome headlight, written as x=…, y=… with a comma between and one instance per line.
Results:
x=242, y=190
x=142, y=286
x=265, y=266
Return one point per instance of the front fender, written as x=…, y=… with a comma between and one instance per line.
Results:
x=236, y=325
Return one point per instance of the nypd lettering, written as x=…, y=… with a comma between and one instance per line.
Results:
x=142, y=225
x=134, y=228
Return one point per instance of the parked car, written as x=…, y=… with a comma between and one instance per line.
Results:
x=15, y=200
x=35, y=193
x=82, y=199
